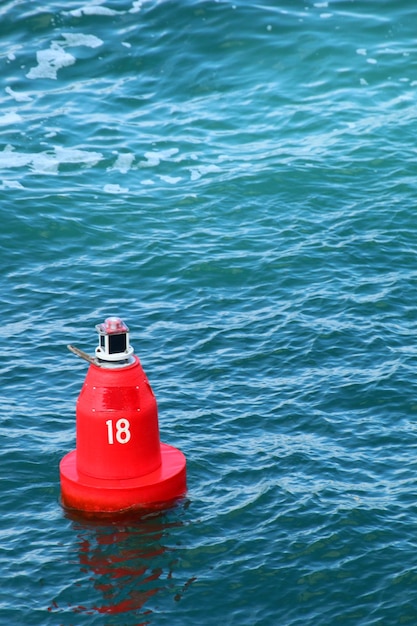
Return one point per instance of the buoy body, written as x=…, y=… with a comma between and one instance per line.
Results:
x=119, y=462
x=117, y=424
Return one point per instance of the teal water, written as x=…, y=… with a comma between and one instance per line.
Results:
x=236, y=181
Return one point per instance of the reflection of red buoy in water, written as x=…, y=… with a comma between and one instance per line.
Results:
x=119, y=462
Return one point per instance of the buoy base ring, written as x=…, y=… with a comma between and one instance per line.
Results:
x=92, y=495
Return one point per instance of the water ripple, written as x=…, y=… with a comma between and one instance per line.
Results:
x=235, y=181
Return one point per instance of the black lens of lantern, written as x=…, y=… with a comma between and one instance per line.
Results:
x=117, y=343
x=102, y=342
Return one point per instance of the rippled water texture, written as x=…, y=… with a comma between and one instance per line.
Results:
x=236, y=181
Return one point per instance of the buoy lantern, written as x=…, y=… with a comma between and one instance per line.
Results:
x=119, y=463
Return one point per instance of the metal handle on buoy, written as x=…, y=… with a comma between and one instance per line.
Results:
x=82, y=354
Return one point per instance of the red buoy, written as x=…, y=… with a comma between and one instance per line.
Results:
x=119, y=462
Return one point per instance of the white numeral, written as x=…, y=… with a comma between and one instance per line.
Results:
x=122, y=431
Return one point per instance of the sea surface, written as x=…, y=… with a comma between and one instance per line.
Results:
x=237, y=181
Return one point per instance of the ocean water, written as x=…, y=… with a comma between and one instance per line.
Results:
x=236, y=180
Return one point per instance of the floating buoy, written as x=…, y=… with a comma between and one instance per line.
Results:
x=119, y=463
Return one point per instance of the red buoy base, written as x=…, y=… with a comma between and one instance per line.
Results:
x=102, y=495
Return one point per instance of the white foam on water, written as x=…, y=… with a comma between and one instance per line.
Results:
x=115, y=189
x=94, y=8
x=79, y=39
x=155, y=157
x=19, y=97
x=172, y=180
x=136, y=6
x=41, y=163
x=198, y=172
x=10, y=118
x=123, y=163
x=11, y=184
x=56, y=57
x=45, y=162
x=74, y=155
x=50, y=61
x=152, y=159
x=10, y=158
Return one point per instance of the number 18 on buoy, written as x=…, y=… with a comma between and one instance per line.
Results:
x=119, y=463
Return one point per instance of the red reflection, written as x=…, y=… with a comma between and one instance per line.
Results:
x=129, y=563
